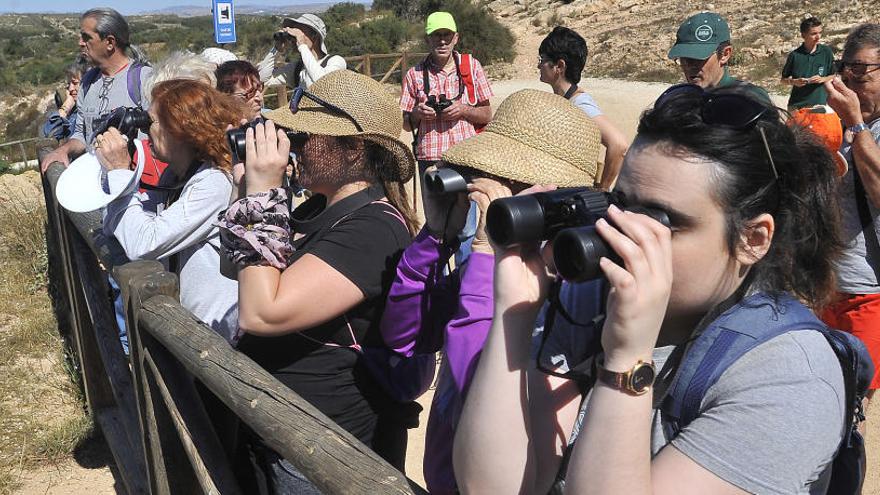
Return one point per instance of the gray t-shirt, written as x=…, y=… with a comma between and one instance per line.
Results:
x=149, y=231
x=772, y=422
x=586, y=103
x=858, y=267
x=105, y=94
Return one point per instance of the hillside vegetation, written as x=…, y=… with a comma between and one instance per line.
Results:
x=34, y=49
x=629, y=39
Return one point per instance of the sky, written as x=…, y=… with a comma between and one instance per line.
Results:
x=124, y=6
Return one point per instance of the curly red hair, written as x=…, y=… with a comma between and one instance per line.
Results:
x=198, y=114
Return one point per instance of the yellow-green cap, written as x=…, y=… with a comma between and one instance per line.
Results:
x=440, y=20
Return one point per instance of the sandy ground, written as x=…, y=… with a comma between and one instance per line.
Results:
x=622, y=102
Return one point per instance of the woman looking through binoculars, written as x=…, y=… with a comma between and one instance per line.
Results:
x=754, y=230
x=174, y=221
x=313, y=282
x=426, y=309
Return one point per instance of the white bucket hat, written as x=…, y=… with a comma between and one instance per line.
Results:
x=312, y=21
x=83, y=186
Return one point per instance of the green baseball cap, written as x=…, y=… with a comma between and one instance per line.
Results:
x=440, y=20
x=699, y=36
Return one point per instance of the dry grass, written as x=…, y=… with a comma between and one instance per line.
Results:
x=41, y=414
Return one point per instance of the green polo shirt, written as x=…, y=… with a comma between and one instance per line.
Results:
x=799, y=64
x=759, y=92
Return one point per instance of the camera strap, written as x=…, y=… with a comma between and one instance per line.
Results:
x=426, y=80
x=571, y=91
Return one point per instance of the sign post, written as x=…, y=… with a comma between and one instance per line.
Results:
x=224, y=21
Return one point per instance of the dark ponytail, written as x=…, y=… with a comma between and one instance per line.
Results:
x=802, y=199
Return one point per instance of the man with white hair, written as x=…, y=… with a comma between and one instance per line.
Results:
x=307, y=33
x=115, y=81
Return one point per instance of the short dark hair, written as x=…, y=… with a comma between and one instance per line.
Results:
x=236, y=72
x=565, y=44
x=862, y=36
x=810, y=23
x=802, y=200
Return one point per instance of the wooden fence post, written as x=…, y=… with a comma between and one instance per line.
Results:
x=367, y=67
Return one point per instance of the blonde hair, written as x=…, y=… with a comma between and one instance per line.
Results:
x=181, y=65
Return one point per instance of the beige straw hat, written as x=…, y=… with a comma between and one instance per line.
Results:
x=536, y=137
x=366, y=101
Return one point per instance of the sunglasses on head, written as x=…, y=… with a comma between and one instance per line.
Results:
x=299, y=94
x=733, y=110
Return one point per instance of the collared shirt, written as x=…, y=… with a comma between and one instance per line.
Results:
x=759, y=92
x=801, y=63
x=438, y=135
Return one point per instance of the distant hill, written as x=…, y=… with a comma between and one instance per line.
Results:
x=197, y=10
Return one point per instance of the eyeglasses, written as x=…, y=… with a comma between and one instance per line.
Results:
x=733, y=110
x=543, y=60
x=246, y=96
x=298, y=95
x=856, y=68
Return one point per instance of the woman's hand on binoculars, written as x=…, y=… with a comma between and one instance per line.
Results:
x=111, y=148
x=640, y=288
x=522, y=278
x=483, y=191
x=267, y=152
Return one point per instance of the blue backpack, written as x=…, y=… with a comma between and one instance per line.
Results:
x=753, y=321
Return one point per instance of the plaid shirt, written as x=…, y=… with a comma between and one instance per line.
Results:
x=438, y=135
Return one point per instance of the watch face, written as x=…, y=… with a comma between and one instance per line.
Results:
x=642, y=378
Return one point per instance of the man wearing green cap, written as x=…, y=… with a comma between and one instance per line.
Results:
x=703, y=50
x=444, y=99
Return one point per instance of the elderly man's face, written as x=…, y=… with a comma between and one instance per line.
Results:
x=861, y=73
x=90, y=43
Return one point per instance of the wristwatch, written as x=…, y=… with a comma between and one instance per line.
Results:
x=637, y=381
x=852, y=130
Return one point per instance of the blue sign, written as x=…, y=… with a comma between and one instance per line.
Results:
x=224, y=21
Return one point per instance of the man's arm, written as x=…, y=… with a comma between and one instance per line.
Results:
x=866, y=152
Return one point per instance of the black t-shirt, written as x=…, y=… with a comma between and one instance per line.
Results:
x=362, y=238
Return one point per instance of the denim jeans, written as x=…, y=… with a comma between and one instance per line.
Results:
x=120, y=313
x=277, y=476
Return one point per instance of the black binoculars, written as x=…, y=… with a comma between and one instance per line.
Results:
x=282, y=36
x=438, y=104
x=235, y=138
x=445, y=181
x=567, y=217
x=128, y=121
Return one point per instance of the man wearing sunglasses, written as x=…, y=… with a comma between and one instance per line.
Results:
x=855, y=96
x=703, y=50
x=116, y=79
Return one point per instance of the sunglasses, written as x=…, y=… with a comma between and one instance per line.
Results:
x=300, y=93
x=856, y=68
x=732, y=110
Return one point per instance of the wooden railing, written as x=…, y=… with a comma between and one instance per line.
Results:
x=400, y=64
x=170, y=410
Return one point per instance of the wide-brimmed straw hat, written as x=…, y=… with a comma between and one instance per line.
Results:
x=535, y=138
x=366, y=101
